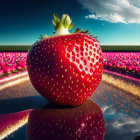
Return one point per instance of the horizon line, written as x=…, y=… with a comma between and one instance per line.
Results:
x=100, y=44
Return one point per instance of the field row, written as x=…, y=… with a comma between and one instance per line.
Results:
x=12, y=62
x=127, y=63
x=14, y=48
x=120, y=48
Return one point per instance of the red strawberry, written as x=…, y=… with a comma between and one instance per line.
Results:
x=117, y=65
x=65, y=68
x=137, y=70
x=105, y=63
x=1, y=72
x=6, y=69
x=18, y=67
x=12, y=67
x=2, y=64
x=84, y=122
x=22, y=64
x=110, y=64
x=129, y=68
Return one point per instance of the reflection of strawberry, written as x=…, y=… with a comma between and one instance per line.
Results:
x=65, y=68
x=81, y=123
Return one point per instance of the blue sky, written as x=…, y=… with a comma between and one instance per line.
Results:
x=114, y=21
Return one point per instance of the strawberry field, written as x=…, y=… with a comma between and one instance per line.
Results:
x=12, y=62
x=126, y=63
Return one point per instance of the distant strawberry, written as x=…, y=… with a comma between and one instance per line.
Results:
x=122, y=66
x=22, y=64
x=105, y=63
x=18, y=67
x=12, y=67
x=129, y=68
x=6, y=69
x=65, y=68
x=1, y=72
x=137, y=70
x=2, y=65
x=84, y=122
x=110, y=64
x=117, y=66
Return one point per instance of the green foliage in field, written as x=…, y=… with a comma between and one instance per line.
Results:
x=14, y=48
x=120, y=48
x=105, y=48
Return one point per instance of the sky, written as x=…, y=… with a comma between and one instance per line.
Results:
x=115, y=22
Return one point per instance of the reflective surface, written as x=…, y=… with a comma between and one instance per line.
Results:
x=83, y=122
x=121, y=110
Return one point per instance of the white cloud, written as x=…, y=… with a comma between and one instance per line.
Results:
x=124, y=11
x=135, y=2
x=127, y=122
x=121, y=126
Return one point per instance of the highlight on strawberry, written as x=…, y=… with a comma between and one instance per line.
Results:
x=84, y=122
x=65, y=68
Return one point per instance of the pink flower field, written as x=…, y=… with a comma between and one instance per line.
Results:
x=127, y=63
x=12, y=62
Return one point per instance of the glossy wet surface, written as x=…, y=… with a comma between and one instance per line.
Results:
x=121, y=110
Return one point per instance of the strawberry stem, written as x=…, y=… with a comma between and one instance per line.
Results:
x=62, y=26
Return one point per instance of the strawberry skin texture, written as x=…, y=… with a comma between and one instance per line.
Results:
x=84, y=122
x=65, y=69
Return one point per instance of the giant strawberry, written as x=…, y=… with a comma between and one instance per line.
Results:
x=84, y=122
x=65, y=68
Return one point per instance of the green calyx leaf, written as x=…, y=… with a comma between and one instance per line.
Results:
x=67, y=21
x=54, y=24
x=56, y=21
x=62, y=25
